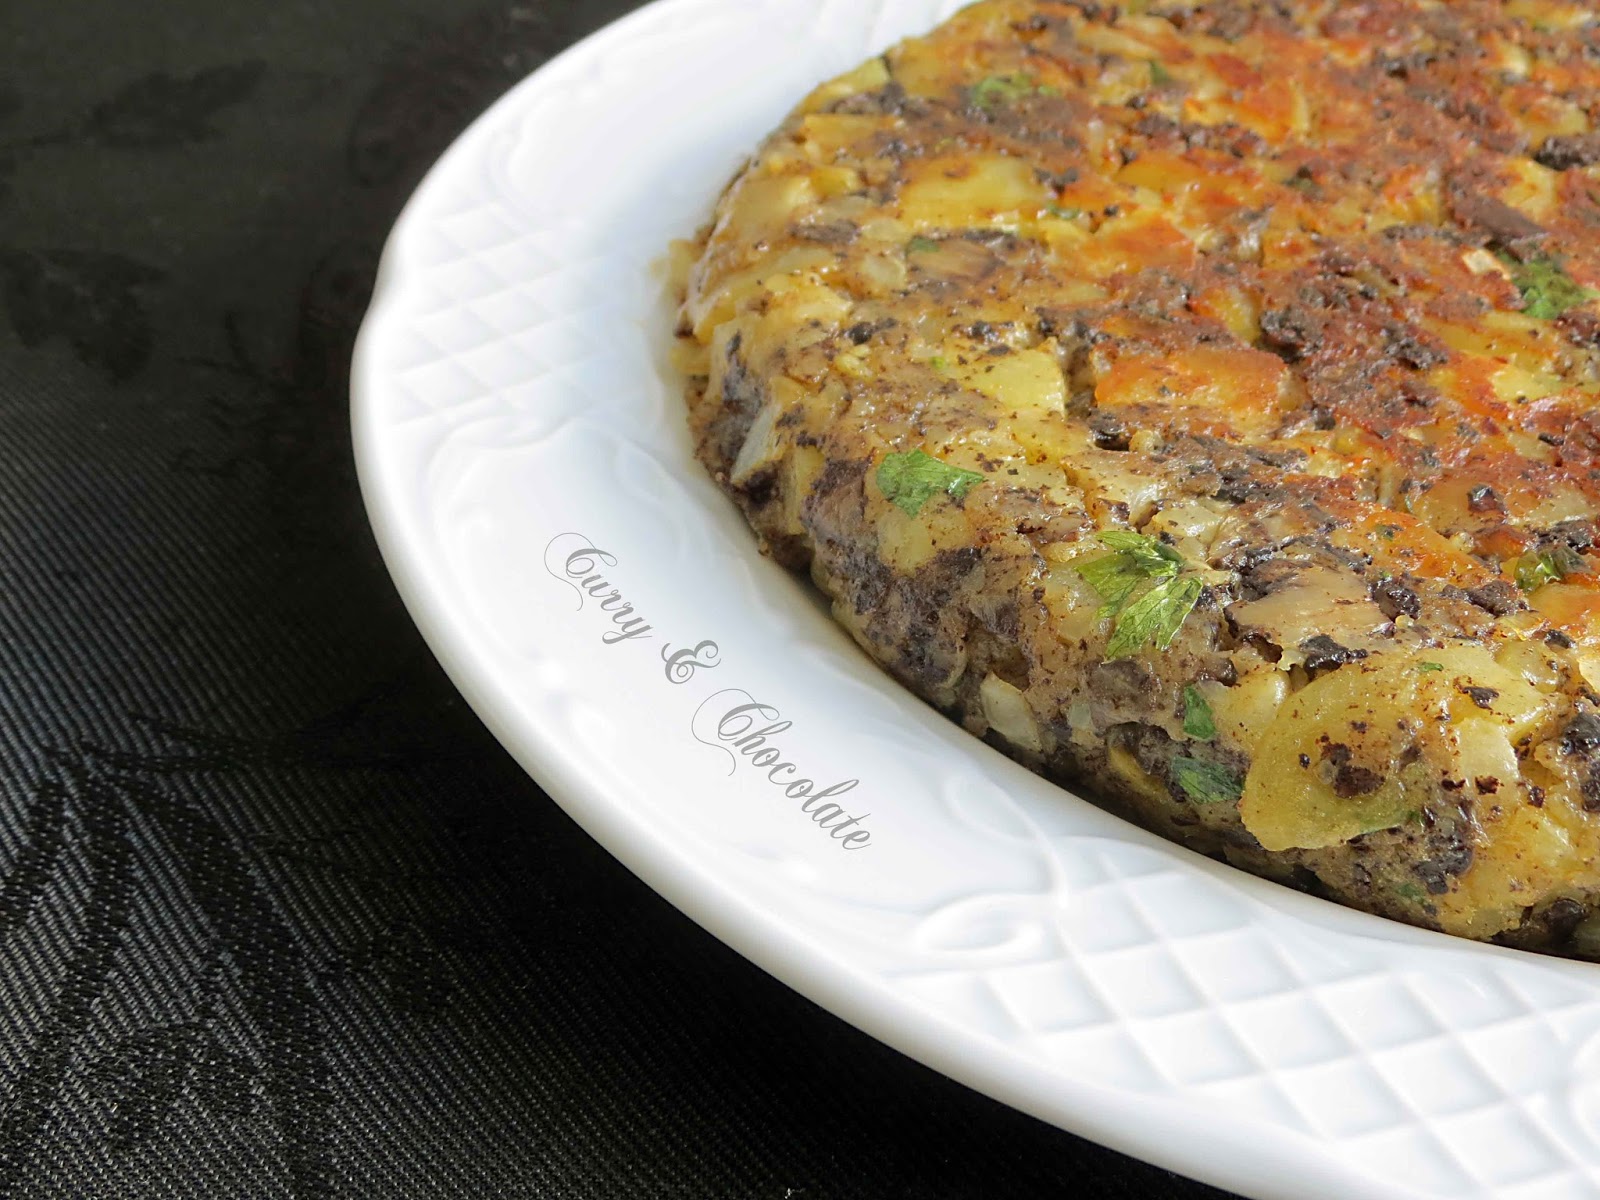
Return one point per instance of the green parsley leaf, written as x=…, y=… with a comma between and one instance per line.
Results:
x=1159, y=75
x=1114, y=578
x=1001, y=91
x=1064, y=214
x=1117, y=576
x=1198, y=721
x=1547, y=290
x=1153, y=556
x=921, y=245
x=1155, y=617
x=910, y=480
x=1301, y=183
x=1533, y=571
x=1430, y=666
x=939, y=363
x=1207, y=783
x=1410, y=891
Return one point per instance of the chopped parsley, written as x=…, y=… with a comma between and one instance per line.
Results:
x=1065, y=214
x=1002, y=91
x=1151, y=551
x=1547, y=290
x=1410, y=891
x=1430, y=667
x=1533, y=571
x=1207, y=783
x=921, y=245
x=939, y=363
x=1136, y=559
x=1154, y=616
x=1198, y=722
x=909, y=481
x=1159, y=75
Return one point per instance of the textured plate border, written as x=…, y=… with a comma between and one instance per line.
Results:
x=510, y=391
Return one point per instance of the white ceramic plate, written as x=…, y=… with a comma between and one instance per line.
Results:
x=520, y=435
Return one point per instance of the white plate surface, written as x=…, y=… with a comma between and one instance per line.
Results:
x=520, y=434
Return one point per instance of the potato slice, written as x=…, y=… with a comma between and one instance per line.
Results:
x=1361, y=749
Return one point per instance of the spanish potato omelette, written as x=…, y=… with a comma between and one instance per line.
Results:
x=1198, y=401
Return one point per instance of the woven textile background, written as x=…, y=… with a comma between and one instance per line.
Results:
x=277, y=917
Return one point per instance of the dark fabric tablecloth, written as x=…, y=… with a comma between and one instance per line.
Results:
x=277, y=916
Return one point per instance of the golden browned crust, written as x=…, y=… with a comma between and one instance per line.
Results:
x=1200, y=402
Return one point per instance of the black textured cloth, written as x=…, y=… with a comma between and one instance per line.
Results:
x=277, y=917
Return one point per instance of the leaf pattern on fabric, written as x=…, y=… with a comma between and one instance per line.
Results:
x=267, y=966
x=93, y=810
x=307, y=932
x=161, y=111
x=395, y=725
x=424, y=97
x=89, y=298
x=148, y=1073
x=406, y=961
x=44, y=838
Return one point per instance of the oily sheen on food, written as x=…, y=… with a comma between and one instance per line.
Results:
x=1198, y=401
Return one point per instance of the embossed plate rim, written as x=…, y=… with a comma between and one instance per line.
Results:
x=1220, y=1144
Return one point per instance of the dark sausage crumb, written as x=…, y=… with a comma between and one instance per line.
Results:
x=1436, y=872
x=1482, y=499
x=1563, y=152
x=1395, y=599
x=1499, y=598
x=1322, y=652
x=1582, y=734
x=1349, y=781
